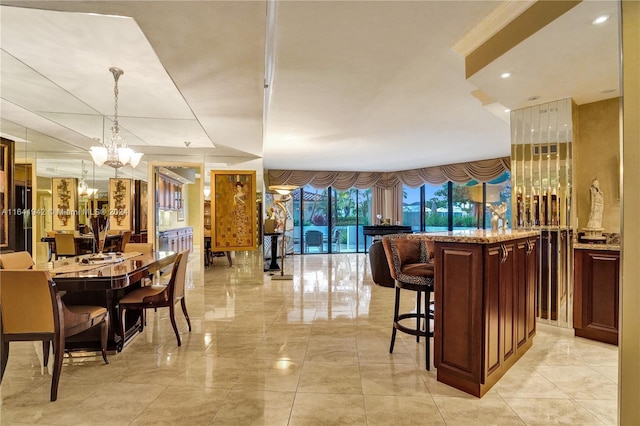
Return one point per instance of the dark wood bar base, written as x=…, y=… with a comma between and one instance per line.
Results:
x=484, y=308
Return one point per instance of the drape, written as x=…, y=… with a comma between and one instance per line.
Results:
x=460, y=173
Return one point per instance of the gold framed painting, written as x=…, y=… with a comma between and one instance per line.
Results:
x=65, y=203
x=120, y=203
x=233, y=204
x=7, y=218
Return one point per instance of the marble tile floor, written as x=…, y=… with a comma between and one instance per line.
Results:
x=311, y=351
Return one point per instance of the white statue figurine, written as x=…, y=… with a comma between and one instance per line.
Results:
x=593, y=230
x=597, y=206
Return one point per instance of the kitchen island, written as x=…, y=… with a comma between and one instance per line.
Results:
x=485, y=287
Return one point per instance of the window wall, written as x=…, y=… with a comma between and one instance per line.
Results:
x=330, y=220
x=436, y=208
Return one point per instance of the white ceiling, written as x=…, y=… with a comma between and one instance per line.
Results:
x=310, y=85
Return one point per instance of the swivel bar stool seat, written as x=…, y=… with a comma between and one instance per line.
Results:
x=409, y=265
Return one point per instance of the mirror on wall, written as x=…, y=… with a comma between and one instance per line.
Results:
x=38, y=160
x=542, y=198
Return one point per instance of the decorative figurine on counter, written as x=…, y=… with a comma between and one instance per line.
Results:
x=593, y=231
x=498, y=217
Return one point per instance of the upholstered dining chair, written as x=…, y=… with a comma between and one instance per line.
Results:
x=65, y=245
x=16, y=260
x=313, y=238
x=126, y=236
x=32, y=309
x=409, y=265
x=144, y=248
x=160, y=296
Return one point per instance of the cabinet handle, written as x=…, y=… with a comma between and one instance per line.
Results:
x=530, y=246
x=505, y=253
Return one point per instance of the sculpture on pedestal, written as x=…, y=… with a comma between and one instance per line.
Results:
x=593, y=230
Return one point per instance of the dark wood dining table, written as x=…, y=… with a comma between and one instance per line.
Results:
x=101, y=283
x=84, y=242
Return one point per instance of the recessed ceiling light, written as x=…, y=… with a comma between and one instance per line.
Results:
x=601, y=19
x=505, y=75
x=507, y=110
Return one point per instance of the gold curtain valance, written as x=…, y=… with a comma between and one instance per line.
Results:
x=482, y=171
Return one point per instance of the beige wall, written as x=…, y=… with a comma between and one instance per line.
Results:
x=629, y=367
x=596, y=153
x=192, y=199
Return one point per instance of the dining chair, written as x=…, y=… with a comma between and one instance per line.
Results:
x=65, y=245
x=51, y=245
x=160, y=296
x=144, y=248
x=17, y=260
x=126, y=236
x=33, y=310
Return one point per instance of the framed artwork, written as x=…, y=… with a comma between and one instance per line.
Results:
x=120, y=204
x=141, y=207
x=233, y=206
x=65, y=203
x=7, y=219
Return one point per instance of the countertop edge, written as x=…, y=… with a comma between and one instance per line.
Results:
x=593, y=246
x=479, y=237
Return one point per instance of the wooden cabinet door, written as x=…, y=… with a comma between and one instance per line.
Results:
x=500, y=305
x=596, y=295
x=161, y=193
x=459, y=337
x=532, y=284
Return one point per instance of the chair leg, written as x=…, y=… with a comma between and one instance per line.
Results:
x=4, y=358
x=427, y=327
x=45, y=352
x=58, y=353
x=395, y=319
x=418, y=310
x=104, y=332
x=184, y=311
x=172, y=316
x=122, y=332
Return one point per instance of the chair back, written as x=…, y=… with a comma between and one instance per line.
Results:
x=65, y=244
x=144, y=248
x=401, y=251
x=126, y=236
x=17, y=260
x=29, y=302
x=178, y=276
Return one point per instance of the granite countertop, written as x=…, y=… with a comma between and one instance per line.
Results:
x=476, y=236
x=596, y=246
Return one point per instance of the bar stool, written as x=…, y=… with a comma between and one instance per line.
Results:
x=409, y=265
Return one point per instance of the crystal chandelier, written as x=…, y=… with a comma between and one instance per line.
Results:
x=83, y=187
x=115, y=152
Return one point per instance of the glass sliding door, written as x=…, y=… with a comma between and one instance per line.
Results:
x=412, y=207
x=315, y=211
x=344, y=221
x=364, y=217
x=436, y=208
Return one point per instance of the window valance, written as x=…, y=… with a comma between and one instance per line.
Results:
x=482, y=171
